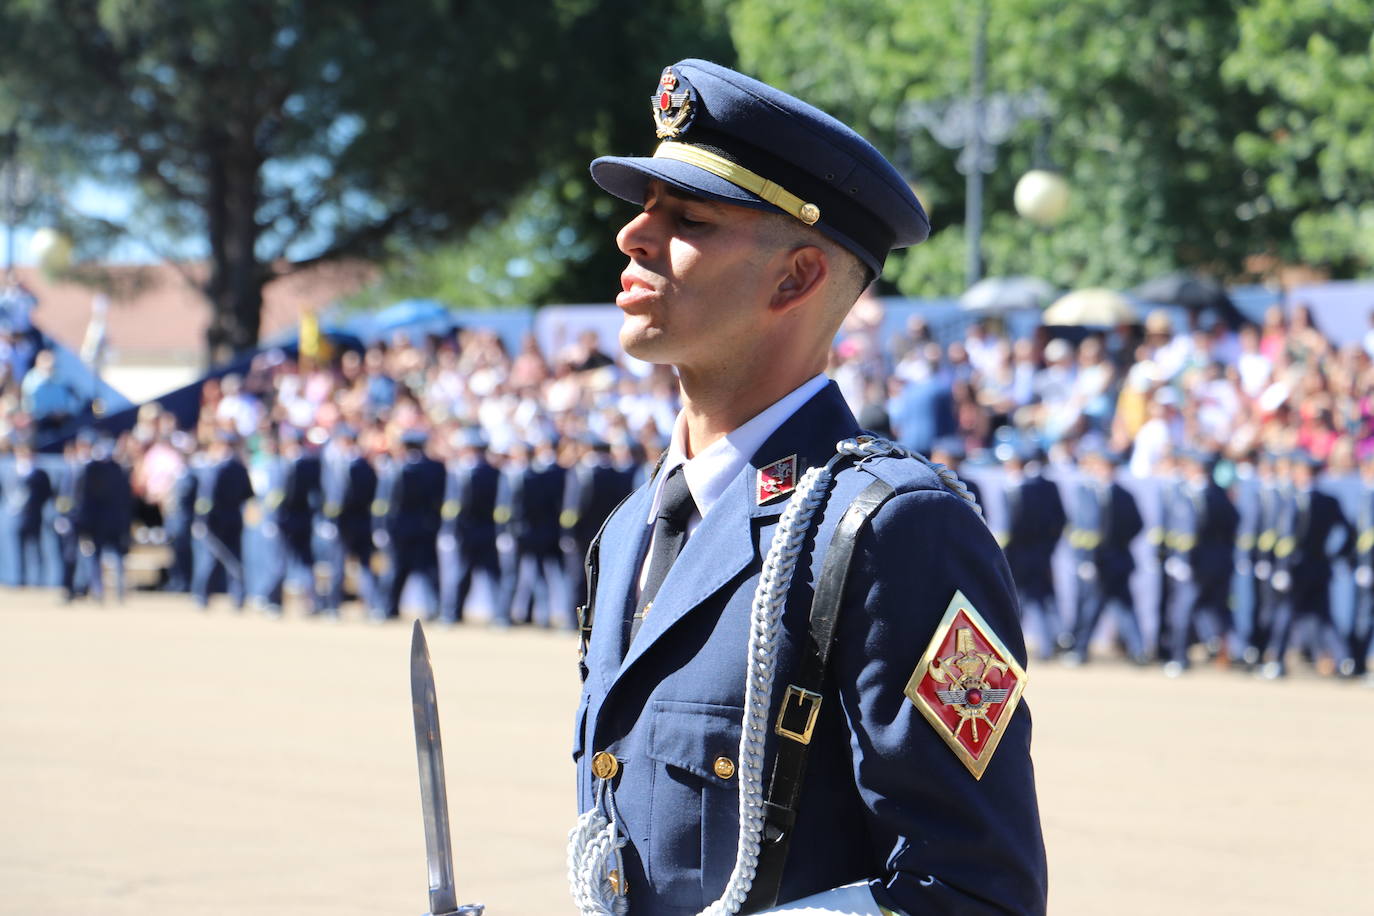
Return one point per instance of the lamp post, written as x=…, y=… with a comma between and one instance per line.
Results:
x=975, y=125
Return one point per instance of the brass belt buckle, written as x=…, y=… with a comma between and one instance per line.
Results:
x=809, y=703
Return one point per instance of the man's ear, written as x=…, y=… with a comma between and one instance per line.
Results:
x=805, y=271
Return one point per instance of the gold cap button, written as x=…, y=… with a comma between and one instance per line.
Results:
x=724, y=767
x=605, y=766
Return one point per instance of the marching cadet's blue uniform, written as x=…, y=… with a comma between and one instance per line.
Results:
x=178, y=528
x=290, y=505
x=528, y=506
x=69, y=486
x=1275, y=495
x=1035, y=522
x=591, y=490
x=1160, y=499
x=1362, y=559
x=406, y=516
x=467, y=537
x=27, y=490
x=104, y=512
x=1302, y=574
x=1201, y=535
x=349, y=486
x=1245, y=584
x=222, y=487
x=1107, y=520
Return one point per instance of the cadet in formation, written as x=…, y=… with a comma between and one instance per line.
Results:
x=1201, y=538
x=104, y=513
x=405, y=518
x=75, y=458
x=222, y=488
x=789, y=618
x=26, y=494
x=1106, y=520
x=1035, y=522
x=349, y=485
x=1362, y=560
x=1311, y=529
x=467, y=534
x=593, y=487
x=527, y=509
x=287, y=527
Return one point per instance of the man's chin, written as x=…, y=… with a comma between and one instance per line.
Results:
x=644, y=344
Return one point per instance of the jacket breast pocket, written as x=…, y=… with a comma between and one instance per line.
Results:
x=694, y=801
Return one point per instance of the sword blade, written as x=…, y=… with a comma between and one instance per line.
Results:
x=429, y=751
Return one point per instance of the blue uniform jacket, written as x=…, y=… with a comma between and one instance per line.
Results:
x=1035, y=521
x=529, y=503
x=1202, y=532
x=348, y=487
x=884, y=798
x=1108, y=519
x=470, y=502
x=295, y=496
x=222, y=489
x=1306, y=531
x=408, y=510
x=104, y=508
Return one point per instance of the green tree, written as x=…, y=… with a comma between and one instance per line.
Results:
x=283, y=134
x=1142, y=124
x=1314, y=140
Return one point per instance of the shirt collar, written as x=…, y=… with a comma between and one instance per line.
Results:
x=710, y=472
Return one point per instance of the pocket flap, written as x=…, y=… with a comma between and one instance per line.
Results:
x=692, y=736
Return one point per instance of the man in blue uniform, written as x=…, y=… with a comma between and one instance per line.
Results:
x=1201, y=536
x=27, y=491
x=222, y=487
x=1035, y=522
x=181, y=515
x=712, y=682
x=467, y=534
x=289, y=509
x=405, y=518
x=528, y=504
x=1311, y=530
x=76, y=457
x=1244, y=584
x=104, y=512
x=1106, y=520
x=349, y=485
x=592, y=488
x=1362, y=559
x=1275, y=493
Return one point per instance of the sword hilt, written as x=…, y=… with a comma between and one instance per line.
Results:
x=467, y=909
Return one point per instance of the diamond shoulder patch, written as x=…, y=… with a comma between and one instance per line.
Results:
x=967, y=685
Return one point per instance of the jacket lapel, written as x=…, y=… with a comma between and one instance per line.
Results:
x=724, y=544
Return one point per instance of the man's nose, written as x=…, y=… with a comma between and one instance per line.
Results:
x=640, y=237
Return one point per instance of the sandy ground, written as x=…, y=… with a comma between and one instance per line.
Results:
x=156, y=760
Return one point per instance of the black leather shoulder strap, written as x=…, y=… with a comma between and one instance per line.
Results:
x=802, y=700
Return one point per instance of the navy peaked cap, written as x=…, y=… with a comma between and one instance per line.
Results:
x=731, y=138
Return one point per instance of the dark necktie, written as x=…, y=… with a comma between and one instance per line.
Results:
x=670, y=533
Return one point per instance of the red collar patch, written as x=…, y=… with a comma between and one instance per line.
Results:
x=967, y=685
x=776, y=479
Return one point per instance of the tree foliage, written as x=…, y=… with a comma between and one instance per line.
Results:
x=286, y=133
x=1143, y=124
x=1314, y=138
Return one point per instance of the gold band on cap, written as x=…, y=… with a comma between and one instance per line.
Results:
x=741, y=177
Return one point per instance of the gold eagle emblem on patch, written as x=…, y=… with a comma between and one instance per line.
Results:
x=967, y=685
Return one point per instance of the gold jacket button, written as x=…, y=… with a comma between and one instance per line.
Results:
x=724, y=767
x=605, y=766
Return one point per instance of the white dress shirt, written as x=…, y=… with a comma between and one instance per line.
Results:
x=710, y=471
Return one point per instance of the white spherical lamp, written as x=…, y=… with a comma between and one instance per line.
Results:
x=51, y=249
x=1042, y=196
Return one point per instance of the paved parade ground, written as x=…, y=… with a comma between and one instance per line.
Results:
x=155, y=761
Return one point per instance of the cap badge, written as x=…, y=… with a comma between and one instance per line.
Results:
x=776, y=479
x=967, y=685
x=672, y=110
